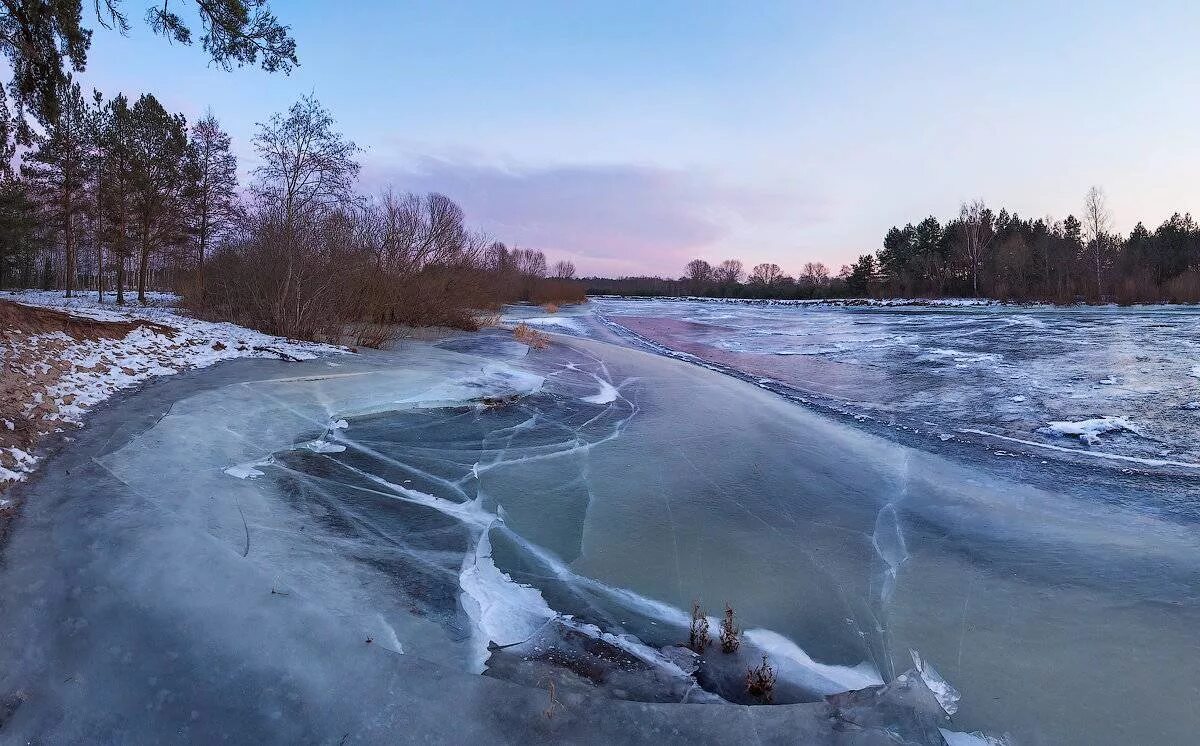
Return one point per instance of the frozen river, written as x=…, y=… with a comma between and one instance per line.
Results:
x=336, y=550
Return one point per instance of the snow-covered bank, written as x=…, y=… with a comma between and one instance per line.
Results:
x=54, y=376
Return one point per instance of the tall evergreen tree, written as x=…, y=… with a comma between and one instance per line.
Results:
x=99, y=121
x=212, y=176
x=118, y=178
x=159, y=152
x=57, y=172
x=18, y=224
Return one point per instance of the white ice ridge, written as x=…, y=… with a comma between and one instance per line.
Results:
x=502, y=610
x=1082, y=452
x=1090, y=430
x=493, y=379
x=794, y=664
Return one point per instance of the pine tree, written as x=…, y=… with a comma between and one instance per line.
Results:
x=99, y=120
x=118, y=180
x=44, y=40
x=159, y=150
x=56, y=171
x=212, y=176
x=18, y=221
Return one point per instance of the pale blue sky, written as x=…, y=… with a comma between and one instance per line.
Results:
x=632, y=136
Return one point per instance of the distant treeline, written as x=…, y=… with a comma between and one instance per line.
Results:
x=728, y=279
x=978, y=253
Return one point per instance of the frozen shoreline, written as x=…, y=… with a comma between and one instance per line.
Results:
x=76, y=375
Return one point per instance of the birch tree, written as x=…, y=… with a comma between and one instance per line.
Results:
x=1096, y=234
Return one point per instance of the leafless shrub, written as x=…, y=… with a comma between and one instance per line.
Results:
x=730, y=634
x=530, y=336
x=760, y=681
x=698, y=638
x=550, y=307
x=559, y=292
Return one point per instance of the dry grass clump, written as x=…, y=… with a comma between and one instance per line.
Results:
x=760, y=681
x=487, y=319
x=730, y=635
x=698, y=638
x=550, y=307
x=527, y=335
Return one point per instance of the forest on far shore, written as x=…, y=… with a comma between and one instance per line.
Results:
x=977, y=253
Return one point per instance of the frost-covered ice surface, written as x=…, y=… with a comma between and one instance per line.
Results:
x=551, y=516
x=1013, y=378
x=87, y=372
x=470, y=508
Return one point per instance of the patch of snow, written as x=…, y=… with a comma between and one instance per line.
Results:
x=1017, y=399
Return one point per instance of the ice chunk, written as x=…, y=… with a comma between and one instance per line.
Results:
x=947, y=695
x=248, y=470
x=975, y=738
x=322, y=446
x=1089, y=431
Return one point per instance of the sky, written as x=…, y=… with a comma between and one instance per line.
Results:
x=630, y=137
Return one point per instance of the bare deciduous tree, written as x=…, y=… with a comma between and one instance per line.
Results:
x=815, y=274
x=975, y=223
x=729, y=271
x=308, y=168
x=563, y=270
x=698, y=273
x=306, y=163
x=1096, y=234
x=766, y=274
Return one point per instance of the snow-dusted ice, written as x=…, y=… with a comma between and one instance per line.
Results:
x=1006, y=374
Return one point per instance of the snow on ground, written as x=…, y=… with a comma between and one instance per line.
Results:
x=56, y=378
